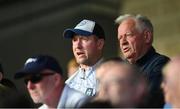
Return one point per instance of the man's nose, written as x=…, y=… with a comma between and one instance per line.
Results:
x=30, y=85
x=162, y=85
x=79, y=43
x=123, y=40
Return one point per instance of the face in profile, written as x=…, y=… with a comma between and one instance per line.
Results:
x=86, y=49
x=41, y=86
x=131, y=40
x=171, y=82
x=119, y=89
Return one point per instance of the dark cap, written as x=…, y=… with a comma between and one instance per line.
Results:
x=85, y=28
x=38, y=63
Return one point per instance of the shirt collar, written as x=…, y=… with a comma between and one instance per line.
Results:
x=90, y=69
x=146, y=57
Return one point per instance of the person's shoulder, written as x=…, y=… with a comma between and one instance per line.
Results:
x=157, y=63
x=73, y=92
x=71, y=78
x=72, y=97
x=8, y=83
x=161, y=59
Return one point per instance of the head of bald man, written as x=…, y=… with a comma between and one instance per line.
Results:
x=171, y=82
x=122, y=83
x=101, y=72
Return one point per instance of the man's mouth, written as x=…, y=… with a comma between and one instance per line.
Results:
x=80, y=53
x=125, y=49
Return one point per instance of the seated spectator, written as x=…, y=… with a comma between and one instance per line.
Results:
x=44, y=80
x=101, y=72
x=125, y=86
x=171, y=83
x=121, y=85
x=10, y=97
x=4, y=81
x=135, y=36
x=100, y=100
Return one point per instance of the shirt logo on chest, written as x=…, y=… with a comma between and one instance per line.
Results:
x=89, y=91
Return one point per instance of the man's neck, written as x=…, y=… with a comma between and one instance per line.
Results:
x=86, y=66
x=133, y=60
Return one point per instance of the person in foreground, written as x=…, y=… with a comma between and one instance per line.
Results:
x=171, y=83
x=43, y=77
x=121, y=85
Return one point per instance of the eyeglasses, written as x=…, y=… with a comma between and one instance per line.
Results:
x=36, y=78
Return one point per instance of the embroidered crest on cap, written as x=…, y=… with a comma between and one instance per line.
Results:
x=30, y=60
x=86, y=25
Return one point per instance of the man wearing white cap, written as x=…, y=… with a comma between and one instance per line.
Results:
x=87, y=43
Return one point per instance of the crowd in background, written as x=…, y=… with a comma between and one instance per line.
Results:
x=140, y=78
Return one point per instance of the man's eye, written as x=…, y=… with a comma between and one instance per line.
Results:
x=74, y=39
x=120, y=37
x=129, y=34
x=85, y=39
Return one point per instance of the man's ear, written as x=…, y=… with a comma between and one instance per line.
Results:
x=147, y=36
x=58, y=79
x=100, y=44
x=1, y=76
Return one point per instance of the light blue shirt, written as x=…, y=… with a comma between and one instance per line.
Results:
x=167, y=106
x=70, y=98
x=84, y=80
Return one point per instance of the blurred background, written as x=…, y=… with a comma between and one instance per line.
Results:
x=29, y=27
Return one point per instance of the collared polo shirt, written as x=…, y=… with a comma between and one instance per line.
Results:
x=84, y=81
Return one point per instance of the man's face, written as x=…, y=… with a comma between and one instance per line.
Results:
x=131, y=40
x=171, y=83
x=120, y=89
x=86, y=49
x=41, y=86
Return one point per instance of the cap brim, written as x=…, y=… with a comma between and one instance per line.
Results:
x=69, y=33
x=25, y=72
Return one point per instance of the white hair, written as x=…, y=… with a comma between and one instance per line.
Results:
x=142, y=22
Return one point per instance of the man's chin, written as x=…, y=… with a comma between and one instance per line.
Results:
x=37, y=101
x=81, y=61
x=127, y=56
x=130, y=58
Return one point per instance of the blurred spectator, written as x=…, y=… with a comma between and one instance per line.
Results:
x=121, y=85
x=102, y=69
x=4, y=81
x=135, y=35
x=100, y=100
x=72, y=67
x=44, y=80
x=124, y=84
x=171, y=82
x=10, y=96
x=87, y=43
